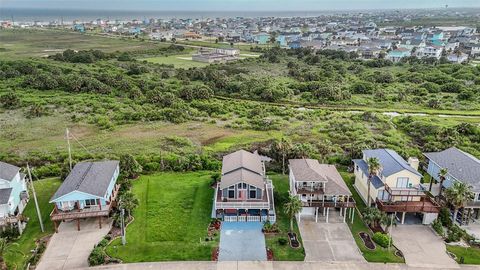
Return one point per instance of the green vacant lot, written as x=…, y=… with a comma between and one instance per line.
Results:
x=19, y=254
x=470, y=255
x=171, y=220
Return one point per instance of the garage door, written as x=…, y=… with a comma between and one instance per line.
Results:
x=308, y=211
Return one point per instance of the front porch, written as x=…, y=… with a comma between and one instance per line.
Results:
x=78, y=212
x=246, y=215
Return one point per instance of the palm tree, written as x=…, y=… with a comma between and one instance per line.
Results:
x=5, y=247
x=458, y=195
x=284, y=147
x=292, y=207
x=273, y=38
x=128, y=202
x=442, y=174
x=373, y=167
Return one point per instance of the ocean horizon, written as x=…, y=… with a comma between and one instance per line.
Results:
x=69, y=15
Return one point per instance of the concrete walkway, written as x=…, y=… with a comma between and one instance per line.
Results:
x=69, y=248
x=328, y=242
x=421, y=247
x=265, y=266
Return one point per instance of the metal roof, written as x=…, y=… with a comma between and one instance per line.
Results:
x=5, y=195
x=390, y=161
x=376, y=181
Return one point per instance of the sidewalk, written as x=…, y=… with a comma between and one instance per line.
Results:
x=265, y=266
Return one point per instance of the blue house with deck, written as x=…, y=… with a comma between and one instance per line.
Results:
x=90, y=190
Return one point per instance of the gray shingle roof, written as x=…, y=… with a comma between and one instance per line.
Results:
x=88, y=177
x=362, y=164
x=310, y=170
x=242, y=166
x=8, y=171
x=242, y=159
x=461, y=165
x=5, y=195
x=390, y=161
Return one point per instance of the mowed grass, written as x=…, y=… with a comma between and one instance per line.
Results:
x=470, y=255
x=19, y=254
x=178, y=61
x=283, y=252
x=379, y=254
x=21, y=43
x=171, y=220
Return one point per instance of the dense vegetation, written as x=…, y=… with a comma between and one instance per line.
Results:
x=112, y=90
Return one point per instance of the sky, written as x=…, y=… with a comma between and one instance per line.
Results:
x=235, y=5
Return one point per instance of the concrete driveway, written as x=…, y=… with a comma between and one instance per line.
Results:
x=328, y=242
x=69, y=248
x=421, y=247
x=242, y=241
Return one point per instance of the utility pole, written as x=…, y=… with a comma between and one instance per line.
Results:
x=35, y=199
x=124, y=240
x=69, y=150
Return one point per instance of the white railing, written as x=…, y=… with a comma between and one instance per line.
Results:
x=242, y=218
x=230, y=218
x=242, y=205
x=272, y=219
x=253, y=218
x=264, y=218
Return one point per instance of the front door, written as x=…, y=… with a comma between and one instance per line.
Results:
x=242, y=194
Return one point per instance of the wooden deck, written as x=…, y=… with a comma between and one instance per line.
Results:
x=424, y=205
x=341, y=204
x=80, y=213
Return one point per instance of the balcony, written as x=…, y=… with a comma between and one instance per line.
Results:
x=350, y=203
x=426, y=204
x=8, y=220
x=405, y=192
x=225, y=203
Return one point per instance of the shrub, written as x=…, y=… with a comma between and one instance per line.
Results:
x=97, y=256
x=382, y=239
x=438, y=227
x=282, y=241
x=9, y=100
x=454, y=234
x=444, y=217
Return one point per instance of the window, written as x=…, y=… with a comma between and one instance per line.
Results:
x=402, y=182
x=231, y=194
x=253, y=194
x=90, y=202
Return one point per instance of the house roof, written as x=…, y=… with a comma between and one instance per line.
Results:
x=242, y=159
x=241, y=175
x=88, y=177
x=362, y=164
x=5, y=195
x=310, y=170
x=8, y=171
x=461, y=165
x=390, y=161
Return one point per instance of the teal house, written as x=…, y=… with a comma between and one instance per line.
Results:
x=261, y=38
x=13, y=196
x=89, y=191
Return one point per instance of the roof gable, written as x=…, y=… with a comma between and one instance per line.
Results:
x=242, y=159
x=8, y=171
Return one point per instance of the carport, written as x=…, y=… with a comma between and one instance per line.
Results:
x=242, y=241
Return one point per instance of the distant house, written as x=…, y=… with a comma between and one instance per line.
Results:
x=457, y=58
x=319, y=187
x=244, y=192
x=430, y=51
x=261, y=38
x=79, y=28
x=13, y=196
x=396, y=187
x=397, y=55
x=219, y=55
x=461, y=167
x=89, y=191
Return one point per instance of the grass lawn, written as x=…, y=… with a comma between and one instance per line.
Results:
x=285, y=252
x=20, y=253
x=171, y=220
x=379, y=254
x=178, y=61
x=471, y=255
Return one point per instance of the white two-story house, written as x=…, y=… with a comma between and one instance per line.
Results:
x=13, y=196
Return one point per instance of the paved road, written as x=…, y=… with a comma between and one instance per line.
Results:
x=69, y=248
x=421, y=247
x=328, y=242
x=265, y=266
